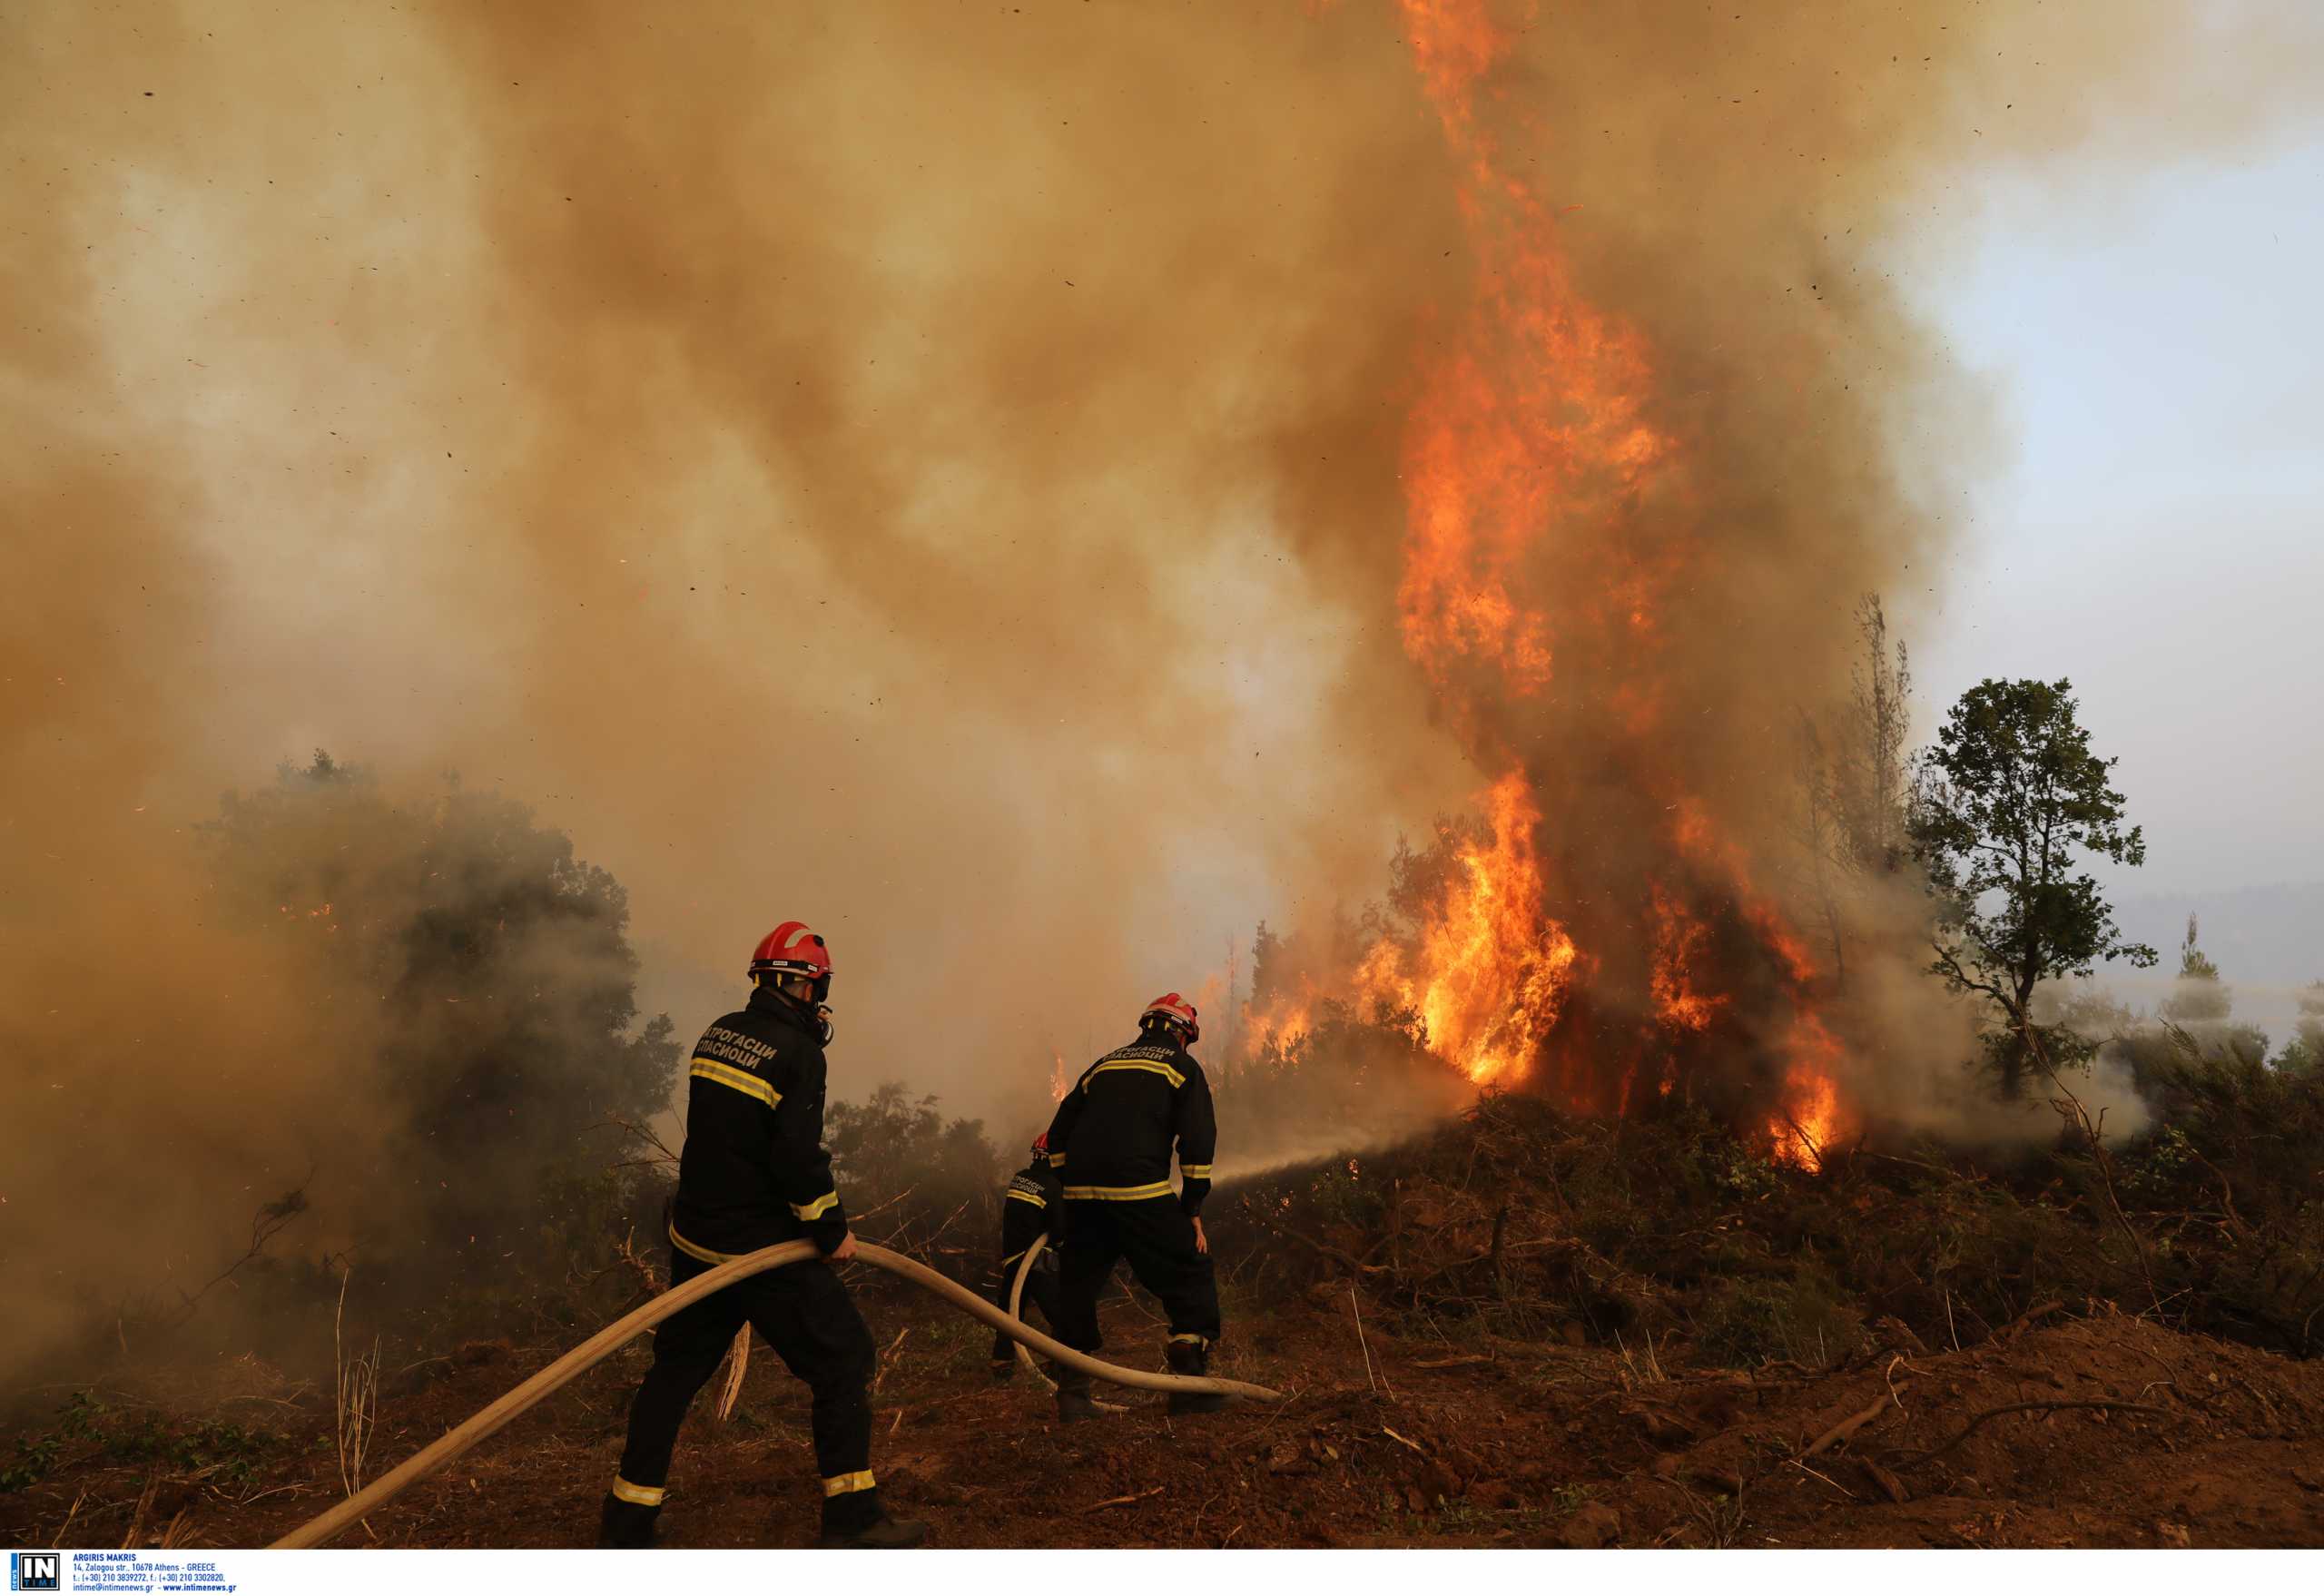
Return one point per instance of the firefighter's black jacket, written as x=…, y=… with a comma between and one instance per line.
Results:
x=1113, y=1135
x=755, y=1171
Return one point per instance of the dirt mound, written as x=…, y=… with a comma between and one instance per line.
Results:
x=2109, y=1430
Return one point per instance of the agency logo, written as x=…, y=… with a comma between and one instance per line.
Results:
x=36, y=1571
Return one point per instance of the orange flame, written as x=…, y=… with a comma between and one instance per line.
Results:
x=1489, y=973
x=1283, y=1024
x=1679, y=939
x=1811, y=1117
x=1539, y=409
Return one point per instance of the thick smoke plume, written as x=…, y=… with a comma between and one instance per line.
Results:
x=933, y=471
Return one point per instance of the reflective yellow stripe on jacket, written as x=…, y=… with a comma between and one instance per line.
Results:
x=818, y=1209
x=1172, y=1076
x=692, y=1250
x=742, y=1080
x=701, y=1253
x=1119, y=1194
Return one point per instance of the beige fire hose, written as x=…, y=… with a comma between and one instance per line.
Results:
x=1017, y=1304
x=316, y=1531
x=1017, y=1312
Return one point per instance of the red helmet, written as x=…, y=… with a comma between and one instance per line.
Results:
x=1041, y=1145
x=791, y=949
x=1175, y=1010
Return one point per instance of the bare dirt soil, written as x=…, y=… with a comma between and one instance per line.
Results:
x=2086, y=1427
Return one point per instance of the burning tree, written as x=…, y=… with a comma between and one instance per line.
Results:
x=1853, y=786
x=1582, y=587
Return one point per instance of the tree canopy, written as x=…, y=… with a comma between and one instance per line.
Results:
x=2199, y=996
x=486, y=985
x=2008, y=805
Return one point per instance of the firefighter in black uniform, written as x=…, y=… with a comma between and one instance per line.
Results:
x=755, y=1173
x=1111, y=1143
x=1025, y=1219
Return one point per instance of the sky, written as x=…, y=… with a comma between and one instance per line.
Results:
x=2156, y=350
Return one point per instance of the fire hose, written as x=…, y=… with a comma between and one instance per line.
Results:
x=1017, y=1305
x=1017, y=1312
x=319, y=1529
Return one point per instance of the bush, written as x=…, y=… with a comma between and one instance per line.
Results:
x=2229, y=1176
x=226, y=1453
x=1525, y=1220
x=1807, y=1318
x=504, y=1064
x=930, y=1185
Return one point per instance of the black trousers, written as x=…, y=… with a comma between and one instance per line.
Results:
x=1159, y=1239
x=804, y=1314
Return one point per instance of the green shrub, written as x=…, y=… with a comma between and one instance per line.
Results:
x=35, y=1455
x=1807, y=1318
x=935, y=1180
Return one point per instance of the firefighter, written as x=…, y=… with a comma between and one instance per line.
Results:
x=1024, y=1219
x=1110, y=1144
x=753, y=1173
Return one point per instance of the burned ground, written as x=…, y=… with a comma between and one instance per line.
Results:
x=1522, y=1331
x=1386, y=1439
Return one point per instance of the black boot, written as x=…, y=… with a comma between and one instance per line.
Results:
x=1192, y=1358
x=1074, y=1402
x=624, y=1525
x=854, y=1521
